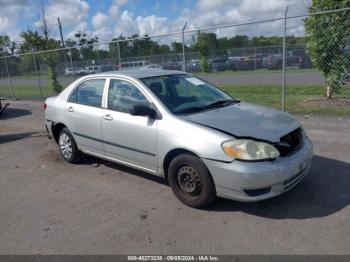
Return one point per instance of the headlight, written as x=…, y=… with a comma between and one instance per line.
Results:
x=245, y=149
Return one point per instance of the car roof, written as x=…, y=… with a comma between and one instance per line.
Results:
x=141, y=73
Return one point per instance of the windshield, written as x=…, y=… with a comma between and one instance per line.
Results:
x=186, y=93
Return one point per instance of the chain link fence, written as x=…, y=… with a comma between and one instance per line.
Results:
x=237, y=59
x=286, y=62
x=322, y=65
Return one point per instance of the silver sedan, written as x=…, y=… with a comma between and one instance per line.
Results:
x=172, y=124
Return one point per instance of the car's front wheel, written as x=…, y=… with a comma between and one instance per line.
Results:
x=68, y=147
x=191, y=181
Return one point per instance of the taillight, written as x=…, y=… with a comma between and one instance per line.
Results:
x=45, y=106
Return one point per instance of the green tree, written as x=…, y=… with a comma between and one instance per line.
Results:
x=164, y=49
x=51, y=59
x=87, y=47
x=206, y=44
x=33, y=41
x=5, y=45
x=237, y=41
x=328, y=36
x=176, y=47
x=72, y=51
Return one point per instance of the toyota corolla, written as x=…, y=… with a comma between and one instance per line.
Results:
x=205, y=142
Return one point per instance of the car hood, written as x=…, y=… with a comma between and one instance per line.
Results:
x=246, y=120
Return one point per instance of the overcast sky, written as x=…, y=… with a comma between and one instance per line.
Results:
x=110, y=18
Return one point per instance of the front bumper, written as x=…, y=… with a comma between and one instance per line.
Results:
x=254, y=181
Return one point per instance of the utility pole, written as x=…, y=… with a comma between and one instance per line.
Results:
x=62, y=41
x=119, y=58
x=283, y=98
x=10, y=79
x=183, y=48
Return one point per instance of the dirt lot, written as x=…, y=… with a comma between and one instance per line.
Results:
x=51, y=207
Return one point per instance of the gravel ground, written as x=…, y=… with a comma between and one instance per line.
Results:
x=51, y=207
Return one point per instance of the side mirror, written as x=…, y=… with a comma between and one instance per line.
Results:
x=144, y=110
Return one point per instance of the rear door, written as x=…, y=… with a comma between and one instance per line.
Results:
x=129, y=139
x=84, y=114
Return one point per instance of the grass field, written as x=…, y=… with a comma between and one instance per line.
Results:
x=26, y=92
x=268, y=95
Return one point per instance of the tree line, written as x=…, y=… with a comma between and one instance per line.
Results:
x=83, y=48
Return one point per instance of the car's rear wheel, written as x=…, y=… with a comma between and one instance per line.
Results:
x=68, y=147
x=191, y=181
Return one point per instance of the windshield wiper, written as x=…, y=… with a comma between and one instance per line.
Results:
x=190, y=109
x=221, y=103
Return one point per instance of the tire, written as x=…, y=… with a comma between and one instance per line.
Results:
x=191, y=181
x=68, y=147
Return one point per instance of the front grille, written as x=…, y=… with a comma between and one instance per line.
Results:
x=290, y=143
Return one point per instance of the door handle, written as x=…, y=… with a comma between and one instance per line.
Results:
x=70, y=109
x=108, y=117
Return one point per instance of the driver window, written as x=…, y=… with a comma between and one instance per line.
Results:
x=123, y=96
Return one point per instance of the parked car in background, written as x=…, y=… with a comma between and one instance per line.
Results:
x=193, y=66
x=222, y=64
x=304, y=61
x=133, y=65
x=105, y=68
x=172, y=65
x=152, y=66
x=93, y=69
x=174, y=125
x=258, y=60
x=275, y=61
x=78, y=71
x=244, y=62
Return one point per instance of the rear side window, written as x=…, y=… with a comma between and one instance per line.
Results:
x=88, y=93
